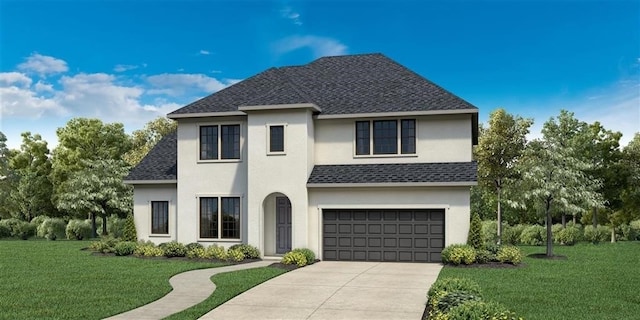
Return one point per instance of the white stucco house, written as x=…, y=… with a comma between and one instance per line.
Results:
x=355, y=157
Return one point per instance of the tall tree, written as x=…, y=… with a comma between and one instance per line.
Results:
x=499, y=148
x=8, y=179
x=32, y=166
x=143, y=140
x=97, y=189
x=552, y=174
x=630, y=193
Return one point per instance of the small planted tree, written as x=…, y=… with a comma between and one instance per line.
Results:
x=129, y=233
x=475, y=232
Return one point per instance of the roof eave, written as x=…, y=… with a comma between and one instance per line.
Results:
x=393, y=184
x=205, y=114
x=396, y=114
x=311, y=106
x=169, y=181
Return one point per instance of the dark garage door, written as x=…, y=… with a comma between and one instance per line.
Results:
x=383, y=235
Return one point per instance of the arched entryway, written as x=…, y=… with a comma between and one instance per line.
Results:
x=277, y=224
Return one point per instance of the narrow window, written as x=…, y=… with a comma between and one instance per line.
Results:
x=276, y=138
x=208, y=217
x=230, y=140
x=362, y=137
x=385, y=137
x=408, y=127
x=231, y=218
x=160, y=217
x=208, y=142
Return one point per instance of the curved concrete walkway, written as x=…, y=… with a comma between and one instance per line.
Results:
x=189, y=289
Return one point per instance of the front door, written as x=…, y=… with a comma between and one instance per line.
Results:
x=283, y=225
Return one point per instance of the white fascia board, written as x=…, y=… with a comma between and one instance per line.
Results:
x=150, y=181
x=281, y=106
x=206, y=114
x=393, y=184
x=395, y=114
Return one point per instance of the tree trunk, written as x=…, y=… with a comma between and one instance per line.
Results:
x=574, y=219
x=564, y=220
x=549, y=233
x=104, y=225
x=613, y=233
x=499, y=216
x=595, y=217
x=94, y=229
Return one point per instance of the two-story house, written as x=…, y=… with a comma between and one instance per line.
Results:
x=355, y=157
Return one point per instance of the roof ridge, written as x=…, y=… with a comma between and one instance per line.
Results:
x=296, y=87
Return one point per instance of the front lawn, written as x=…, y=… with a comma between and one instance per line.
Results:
x=595, y=282
x=55, y=279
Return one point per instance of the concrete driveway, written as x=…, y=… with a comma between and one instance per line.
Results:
x=337, y=290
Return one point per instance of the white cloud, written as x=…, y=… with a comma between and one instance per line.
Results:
x=320, y=46
x=14, y=78
x=177, y=84
x=42, y=86
x=25, y=103
x=290, y=14
x=204, y=52
x=124, y=67
x=43, y=65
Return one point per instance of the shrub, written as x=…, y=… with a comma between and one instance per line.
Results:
x=533, y=235
x=452, y=299
x=459, y=253
x=129, y=229
x=148, y=249
x=173, y=249
x=235, y=255
x=18, y=228
x=216, y=252
x=295, y=257
x=489, y=232
x=472, y=310
x=475, y=232
x=104, y=245
x=635, y=227
x=38, y=220
x=454, y=285
x=626, y=233
x=598, y=234
x=125, y=248
x=195, y=250
x=5, y=231
x=570, y=235
x=485, y=256
x=52, y=229
x=78, y=229
x=511, y=234
x=249, y=251
x=308, y=254
x=509, y=254
x=555, y=232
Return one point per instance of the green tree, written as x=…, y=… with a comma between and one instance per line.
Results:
x=8, y=180
x=143, y=140
x=475, y=232
x=129, y=233
x=630, y=193
x=499, y=148
x=553, y=176
x=98, y=190
x=32, y=167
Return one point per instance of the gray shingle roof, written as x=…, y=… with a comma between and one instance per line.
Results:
x=160, y=163
x=367, y=83
x=395, y=173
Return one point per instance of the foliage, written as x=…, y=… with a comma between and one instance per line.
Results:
x=129, y=229
x=216, y=252
x=38, y=220
x=452, y=299
x=148, y=249
x=9, y=180
x=489, y=232
x=459, y=253
x=509, y=254
x=12, y=224
x=308, y=254
x=598, y=234
x=485, y=256
x=52, y=229
x=555, y=232
x=475, y=232
x=533, y=235
x=294, y=257
x=449, y=284
x=630, y=167
x=473, y=310
x=125, y=248
x=5, y=231
x=78, y=229
x=511, y=234
x=115, y=227
x=143, y=140
x=104, y=245
x=235, y=255
x=570, y=235
x=249, y=251
x=635, y=227
x=173, y=249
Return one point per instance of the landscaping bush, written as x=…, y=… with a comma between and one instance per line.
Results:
x=173, y=249
x=295, y=257
x=509, y=254
x=635, y=227
x=555, y=232
x=489, y=232
x=104, y=245
x=78, y=229
x=129, y=229
x=455, y=298
x=596, y=235
x=475, y=232
x=570, y=235
x=473, y=310
x=18, y=228
x=511, y=234
x=485, y=256
x=195, y=250
x=38, y=220
x=459, y=253
x=533, y=235
x=625, y=232
x=52, y=229
x=125, y=248
x=235, y=255
x=249, y=251
x=216, y=252
x=308, y=254
x=454, y=285
x=5, y=231
x=148, y=249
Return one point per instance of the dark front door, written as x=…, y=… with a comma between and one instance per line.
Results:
x=283, y=225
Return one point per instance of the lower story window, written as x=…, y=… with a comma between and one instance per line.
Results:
x=220, y=217
x=160, y=217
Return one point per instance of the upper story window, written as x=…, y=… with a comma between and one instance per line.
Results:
x=390, y=137
x=276, y=139
x=219, y=142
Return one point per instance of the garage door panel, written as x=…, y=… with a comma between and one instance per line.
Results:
x=383, y=235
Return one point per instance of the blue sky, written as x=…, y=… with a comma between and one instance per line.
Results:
x=130, y=61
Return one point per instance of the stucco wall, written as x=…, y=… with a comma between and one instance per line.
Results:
x=440, y=138
x=142, y=197
x=455, y=201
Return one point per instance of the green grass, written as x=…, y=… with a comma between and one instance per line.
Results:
x=56, y=280
x=229, y=285
x=595, y=282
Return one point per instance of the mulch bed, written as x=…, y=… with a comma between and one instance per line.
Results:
x=289, y=267
x=492, y=265
x=100, y=254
